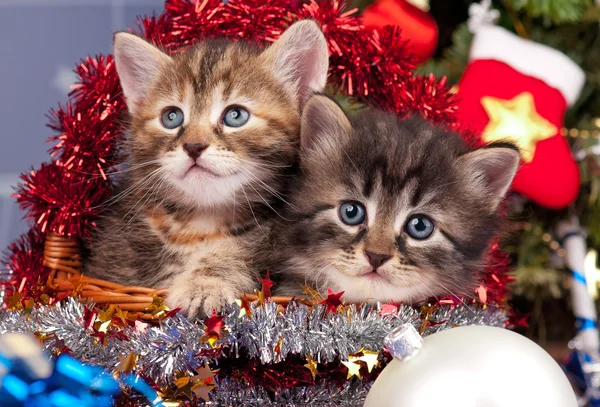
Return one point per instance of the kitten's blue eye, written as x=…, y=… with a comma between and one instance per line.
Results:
x=352, y=213
x=172, y=117
x=419, y=227
x=236, y=117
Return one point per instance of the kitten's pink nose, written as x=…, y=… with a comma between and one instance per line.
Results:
x=194, y=149
x=377, y=259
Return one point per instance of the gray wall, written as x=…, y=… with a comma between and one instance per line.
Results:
x=40, y=42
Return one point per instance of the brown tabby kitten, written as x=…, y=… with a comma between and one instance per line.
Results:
x=389, y=209
x=213, y=132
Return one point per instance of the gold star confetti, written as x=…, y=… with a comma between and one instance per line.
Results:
x=181, y=382
x=78, y=287
x=311, y=292
x=518, y=121
x=312, y=366
x=210, y=339
x=261, y=297
x=106, y=315
x=167, y=397
x=42, y=337
x=45, y=299
x=200, y=384
x=127, y=363
x=14, y=302
x=278, y=346
x=103, y=326
x=353, y=369
x=158, y=306
x=369, y=357
x=29, y=305
x=184, y=385
x=202, y=390
x=204, y=373
x=426, y=313
x=244, y=308
x=122, y=315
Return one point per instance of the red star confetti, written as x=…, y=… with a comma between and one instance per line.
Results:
x=89, y=317
x=333, y=300
x=518, y=319
x=214, y=324
x=266, y=285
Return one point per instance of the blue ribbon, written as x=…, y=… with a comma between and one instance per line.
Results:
x=584, y=324
x=578, y=367
x=14, y=388
x=579, y=277
x=72, y=384
x=141, y=386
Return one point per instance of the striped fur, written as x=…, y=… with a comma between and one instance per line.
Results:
x=396, y=169
x=193, y=229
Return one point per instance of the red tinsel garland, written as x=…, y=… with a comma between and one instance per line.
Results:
x=26, y=260
x=65, y=196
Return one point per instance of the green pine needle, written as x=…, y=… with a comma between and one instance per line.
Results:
x=551, y=11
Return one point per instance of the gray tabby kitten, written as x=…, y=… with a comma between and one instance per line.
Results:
x=388, y=209
x=213, y=131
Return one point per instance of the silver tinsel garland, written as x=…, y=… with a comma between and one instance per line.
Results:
x=231, y=394
x=173, y=346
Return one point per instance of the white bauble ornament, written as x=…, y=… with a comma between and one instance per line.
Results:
x=471, y=366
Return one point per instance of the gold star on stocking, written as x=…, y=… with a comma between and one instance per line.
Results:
x=518, y=121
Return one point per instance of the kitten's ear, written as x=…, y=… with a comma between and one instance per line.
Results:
x=492, y=168
x=299, y=59
x=323, y=123
x=138, y=64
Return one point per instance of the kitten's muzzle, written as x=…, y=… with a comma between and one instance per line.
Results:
x=376, y=260
x=194, y=150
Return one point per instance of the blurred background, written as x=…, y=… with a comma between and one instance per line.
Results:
x=42, y=40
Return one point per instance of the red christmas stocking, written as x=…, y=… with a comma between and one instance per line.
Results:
x=517, y=90
x=418, y=26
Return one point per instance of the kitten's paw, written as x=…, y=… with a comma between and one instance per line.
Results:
x=199, y=299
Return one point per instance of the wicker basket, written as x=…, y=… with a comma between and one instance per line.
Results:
x=63, y=256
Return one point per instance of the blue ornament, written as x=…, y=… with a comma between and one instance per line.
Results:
x=28, y=379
